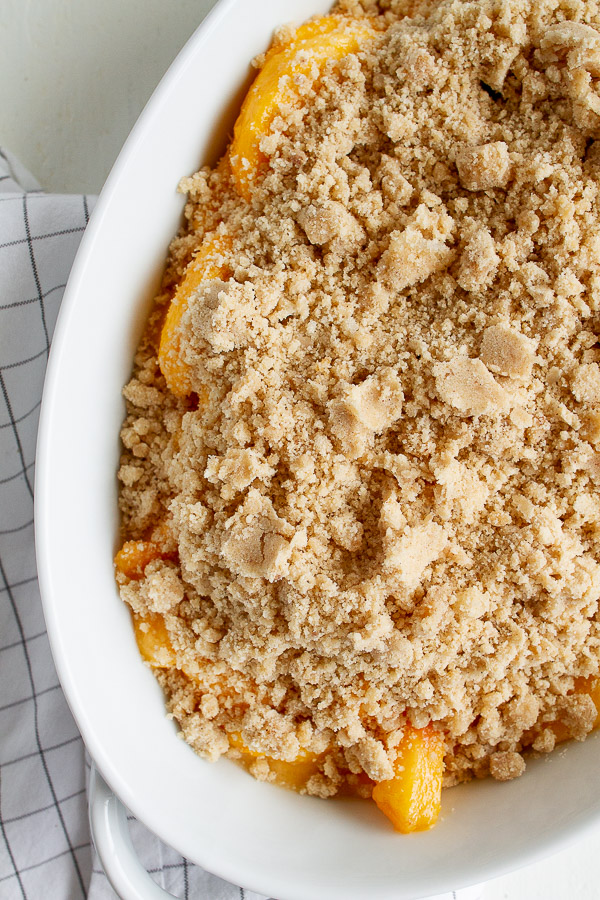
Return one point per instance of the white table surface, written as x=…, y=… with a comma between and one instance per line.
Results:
x=74, y=75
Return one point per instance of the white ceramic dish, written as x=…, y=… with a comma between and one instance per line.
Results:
x=263, y=837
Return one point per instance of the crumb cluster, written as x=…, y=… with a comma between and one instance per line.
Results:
x=381, y=499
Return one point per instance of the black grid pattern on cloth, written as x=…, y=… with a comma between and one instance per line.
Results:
x=44, y=835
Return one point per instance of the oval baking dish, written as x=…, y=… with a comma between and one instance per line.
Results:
x=270, y=840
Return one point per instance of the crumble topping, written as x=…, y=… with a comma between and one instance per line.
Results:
x=381, y=496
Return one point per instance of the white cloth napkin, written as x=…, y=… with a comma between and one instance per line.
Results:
x=45, y=848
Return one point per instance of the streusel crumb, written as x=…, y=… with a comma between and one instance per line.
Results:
x=378, y=502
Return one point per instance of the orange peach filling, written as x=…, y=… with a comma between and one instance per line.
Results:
x=153, y=641
x=134, y=556
x=207, y=264
x=293, y=775
x=412, y=798
x=278, y=83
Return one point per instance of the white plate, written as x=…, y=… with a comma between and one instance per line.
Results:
x=261, y=836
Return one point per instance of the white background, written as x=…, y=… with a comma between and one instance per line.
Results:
x=74, y=76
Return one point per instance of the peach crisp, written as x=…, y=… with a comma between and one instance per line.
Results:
x=361, y=459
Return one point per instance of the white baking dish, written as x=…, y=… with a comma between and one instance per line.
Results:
x=260, y=836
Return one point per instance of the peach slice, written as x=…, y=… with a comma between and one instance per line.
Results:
x=134, y=556
x=330, y=37
x=594, y=692
x=293, y=775
x=153, y=641
x=591, y=687
x=208, y=263
x=412, y=799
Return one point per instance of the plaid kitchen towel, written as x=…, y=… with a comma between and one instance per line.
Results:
x=45, y=848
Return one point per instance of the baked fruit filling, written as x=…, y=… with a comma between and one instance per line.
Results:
x=286, y=68
x=359, y=485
